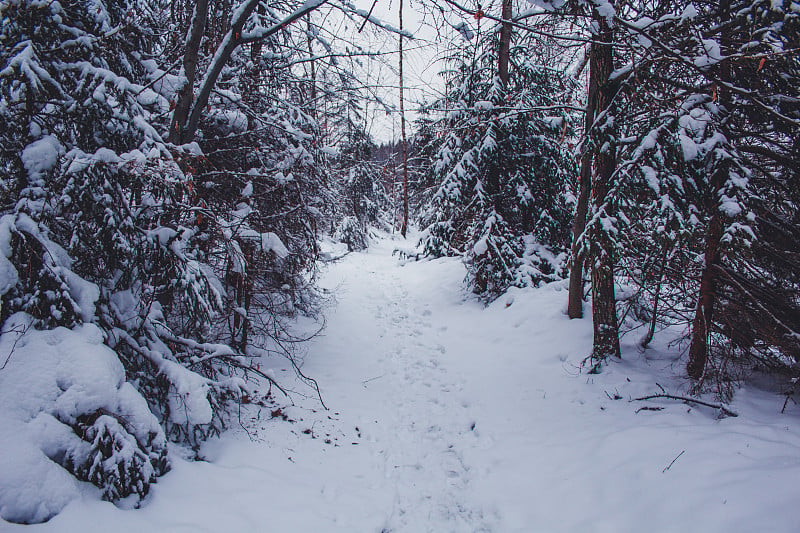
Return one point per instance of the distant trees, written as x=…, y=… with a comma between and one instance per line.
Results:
x=504, y=173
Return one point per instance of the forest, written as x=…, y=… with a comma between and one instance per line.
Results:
x=170, y=172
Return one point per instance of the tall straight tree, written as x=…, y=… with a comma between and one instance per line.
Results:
x=601, y=247
x=404, y=228
x=704, y=312
x=575, y=298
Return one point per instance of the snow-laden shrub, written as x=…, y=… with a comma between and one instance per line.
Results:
x=98, y=226
x=352, y=233
x=67, y=407
x=116, y=461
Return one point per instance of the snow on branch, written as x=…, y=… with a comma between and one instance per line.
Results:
x=349, y=8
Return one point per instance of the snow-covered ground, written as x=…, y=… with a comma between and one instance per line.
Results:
x=446, y=416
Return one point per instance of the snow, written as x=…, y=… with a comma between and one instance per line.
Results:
x=606, y=10
x=651, y=177
x=464, y=30
x=548, y=5
x=446, y=415
x=8, y=274
x=41, y=156
x=49, y=379
x=689, y=13
x=271, y=242
x=711, y=54
x=689, y=147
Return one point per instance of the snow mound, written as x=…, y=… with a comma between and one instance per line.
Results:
x=64, y=403
x=41, y=156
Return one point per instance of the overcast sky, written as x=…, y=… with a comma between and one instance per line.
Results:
x=421, y=68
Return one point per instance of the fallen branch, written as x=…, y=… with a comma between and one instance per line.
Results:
x=673, y=462
x=722, y=408
x=334, y=259
x=649, y=408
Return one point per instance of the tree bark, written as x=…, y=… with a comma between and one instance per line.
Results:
x=312, y=83
x=404, y=227
x=601, y=250
x=704, y=313
x=575, y=298
x=505, y=43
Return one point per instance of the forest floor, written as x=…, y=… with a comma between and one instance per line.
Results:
x=448, y=416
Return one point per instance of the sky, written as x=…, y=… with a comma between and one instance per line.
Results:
x=421, y=64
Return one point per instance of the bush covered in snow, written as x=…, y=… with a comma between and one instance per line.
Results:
x=66, y=402
x=352, y=233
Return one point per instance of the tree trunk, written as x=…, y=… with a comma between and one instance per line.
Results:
x=505, y=43
x=404, y=227
x=704, y=313
x=575, y=299
x=190, y=58
x=312, y=82
x=601, y=250
x=651, y=330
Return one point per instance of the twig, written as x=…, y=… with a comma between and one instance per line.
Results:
x=233, y=362
x=21, y=332
x=785, y=403
x=367, y=17
x=372, y=379
x=334, y=259
x=719, y=406
x=673, y=462
x=649, y=408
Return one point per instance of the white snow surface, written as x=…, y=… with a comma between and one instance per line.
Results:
x=445, y=416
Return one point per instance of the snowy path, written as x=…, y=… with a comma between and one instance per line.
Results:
x=449, y=417
x=411, y=410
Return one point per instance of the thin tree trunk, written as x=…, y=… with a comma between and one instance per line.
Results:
x=505, y=43
x=404, y=228
x=601, y=251
x=575, y=298
x=651, y=330
x=313, y=67
x=704, y=312
x=190, y=58
x=252, y=79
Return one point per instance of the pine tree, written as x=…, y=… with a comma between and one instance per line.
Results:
x=503, y=171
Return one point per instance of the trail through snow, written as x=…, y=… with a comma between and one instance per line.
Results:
x=422, y=418
x=446, y=416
